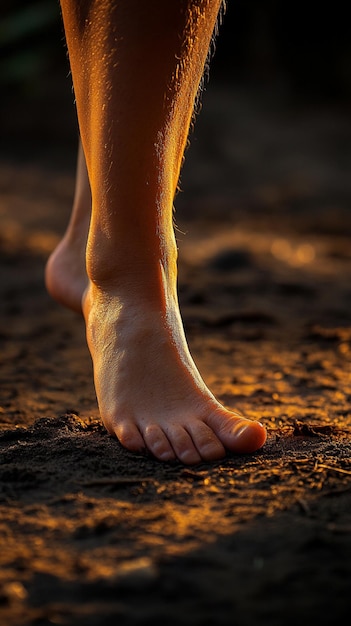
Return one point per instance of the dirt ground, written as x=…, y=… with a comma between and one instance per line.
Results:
x=93, y=535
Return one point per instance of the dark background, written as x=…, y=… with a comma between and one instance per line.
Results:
x=300, y=49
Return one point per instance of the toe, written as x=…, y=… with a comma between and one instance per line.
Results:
x=249, y=436
x=238, y=434
x=207, y=443
x=183, y=445
x=129, y=436
x=157, y=442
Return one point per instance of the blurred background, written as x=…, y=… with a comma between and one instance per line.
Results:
x=301, y=50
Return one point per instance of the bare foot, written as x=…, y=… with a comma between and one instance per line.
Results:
x=65, y=275
x=150, y=393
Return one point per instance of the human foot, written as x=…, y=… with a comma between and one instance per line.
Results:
x=65, y=275
x=150, y=393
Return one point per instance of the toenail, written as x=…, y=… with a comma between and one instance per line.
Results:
x=166, y=456
x=242, y=430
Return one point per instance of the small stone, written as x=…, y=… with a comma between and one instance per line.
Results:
x=13, y=592
x=137, y=572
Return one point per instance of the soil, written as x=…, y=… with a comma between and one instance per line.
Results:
x=94, y=535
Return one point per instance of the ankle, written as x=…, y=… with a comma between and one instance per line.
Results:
x=147, y=272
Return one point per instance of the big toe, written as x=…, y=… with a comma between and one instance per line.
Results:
x=247, y=436
x=240, y=435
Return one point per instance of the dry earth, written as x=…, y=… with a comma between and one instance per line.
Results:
x=93, y=535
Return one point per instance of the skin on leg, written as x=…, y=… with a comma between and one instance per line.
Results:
x=65, y=273
x=136, y=68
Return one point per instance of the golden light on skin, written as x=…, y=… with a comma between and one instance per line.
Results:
x=283, y=250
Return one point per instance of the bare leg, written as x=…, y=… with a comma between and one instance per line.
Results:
x=136, y=67
x=65, y=275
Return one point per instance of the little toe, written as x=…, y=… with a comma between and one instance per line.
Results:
x=207, y=443
x=183, y=445
x=129, y=436
x=157, y=443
